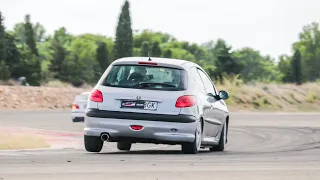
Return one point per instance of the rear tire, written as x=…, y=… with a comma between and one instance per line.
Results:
x=93, y=143
x=222, y=141
x=194, y=147
x=124, y=146
x=77, y=119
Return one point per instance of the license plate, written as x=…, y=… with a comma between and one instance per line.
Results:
x=147, y=105
x=150, y=105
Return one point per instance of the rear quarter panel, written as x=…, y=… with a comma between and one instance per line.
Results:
x=193, y=89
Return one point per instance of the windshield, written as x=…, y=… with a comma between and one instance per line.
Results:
x=146, y=77
x=82, y=97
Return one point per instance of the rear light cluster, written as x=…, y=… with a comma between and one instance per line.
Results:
x=186, y=101
x=96, y=96
x=74, y=106
x=182, y=101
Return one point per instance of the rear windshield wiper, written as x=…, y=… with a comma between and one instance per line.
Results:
x=148, y=84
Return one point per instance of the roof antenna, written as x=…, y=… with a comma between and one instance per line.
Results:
x=149, y=56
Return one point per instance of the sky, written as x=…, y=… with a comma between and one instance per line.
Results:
x=270, y=26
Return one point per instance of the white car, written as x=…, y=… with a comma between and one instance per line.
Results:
x=79, y=106
x=156, y=100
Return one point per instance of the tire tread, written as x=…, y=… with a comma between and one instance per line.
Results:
x=93, y=143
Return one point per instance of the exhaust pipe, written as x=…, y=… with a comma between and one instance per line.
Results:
x=105, y=137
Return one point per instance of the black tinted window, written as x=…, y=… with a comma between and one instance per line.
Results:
x=146, y=77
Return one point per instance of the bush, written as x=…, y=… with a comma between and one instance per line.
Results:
x=4, y=71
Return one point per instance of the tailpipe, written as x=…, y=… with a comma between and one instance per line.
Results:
x=105, y=137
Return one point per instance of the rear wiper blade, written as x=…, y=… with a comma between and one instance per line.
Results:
x=147, y=84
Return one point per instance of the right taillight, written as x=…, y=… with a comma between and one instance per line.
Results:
x=96, y=96
x=186, y=101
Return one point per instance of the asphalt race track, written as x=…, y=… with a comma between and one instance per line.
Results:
x=261, y=147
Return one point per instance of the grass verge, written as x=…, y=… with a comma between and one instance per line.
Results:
x=17, y=141
x=271, y=97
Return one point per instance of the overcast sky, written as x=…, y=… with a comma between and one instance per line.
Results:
x=270, y=26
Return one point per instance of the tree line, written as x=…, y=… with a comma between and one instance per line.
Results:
x=29, y=52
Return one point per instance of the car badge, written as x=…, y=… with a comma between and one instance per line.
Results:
x=138, y=97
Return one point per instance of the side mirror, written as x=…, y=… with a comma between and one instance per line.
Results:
x=223, y=94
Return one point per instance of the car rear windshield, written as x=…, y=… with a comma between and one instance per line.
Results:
x=82, y=97
x=146, y=77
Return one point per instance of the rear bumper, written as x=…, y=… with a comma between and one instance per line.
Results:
x=157, y=129
x=181, y=118
x=78, y=116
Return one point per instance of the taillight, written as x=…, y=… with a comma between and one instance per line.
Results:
x=186, y=101
x=96, y=96
x=74, y=106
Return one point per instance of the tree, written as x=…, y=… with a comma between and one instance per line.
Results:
x=30, y=35
x=39, y=32
x=4, y=71
x=145, y=49
x=2, y=38
x=27, y=51
x=20, y=33
x=285, y=68
x=82, y=62
x=12, y=56
x=255, y=67
x=102, y=56
x=309, y=47
x=59, y=53
x=124, y=39
x=156, y=50
x=167, y=53
x=151, y=36
x=178, y=53
x=296, y=67
x=9, y=54
x=225, y=63
x=31, y=65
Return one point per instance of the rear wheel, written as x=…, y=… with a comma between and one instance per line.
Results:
x=124, y=146
x=77, y=119
x=93, y=143
x=194, y=147
x=222, y=141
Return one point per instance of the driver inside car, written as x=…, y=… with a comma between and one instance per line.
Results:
x=139, y=74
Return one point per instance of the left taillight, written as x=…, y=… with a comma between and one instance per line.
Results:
x=74, y=106
x=96, y=96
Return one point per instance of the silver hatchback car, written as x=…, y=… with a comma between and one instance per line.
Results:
x=156, y=100
x=79, y=106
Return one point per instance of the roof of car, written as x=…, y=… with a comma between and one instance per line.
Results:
x=172, y=61
x=85, y=93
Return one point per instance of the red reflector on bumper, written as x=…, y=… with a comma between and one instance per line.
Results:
x=136, y=127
